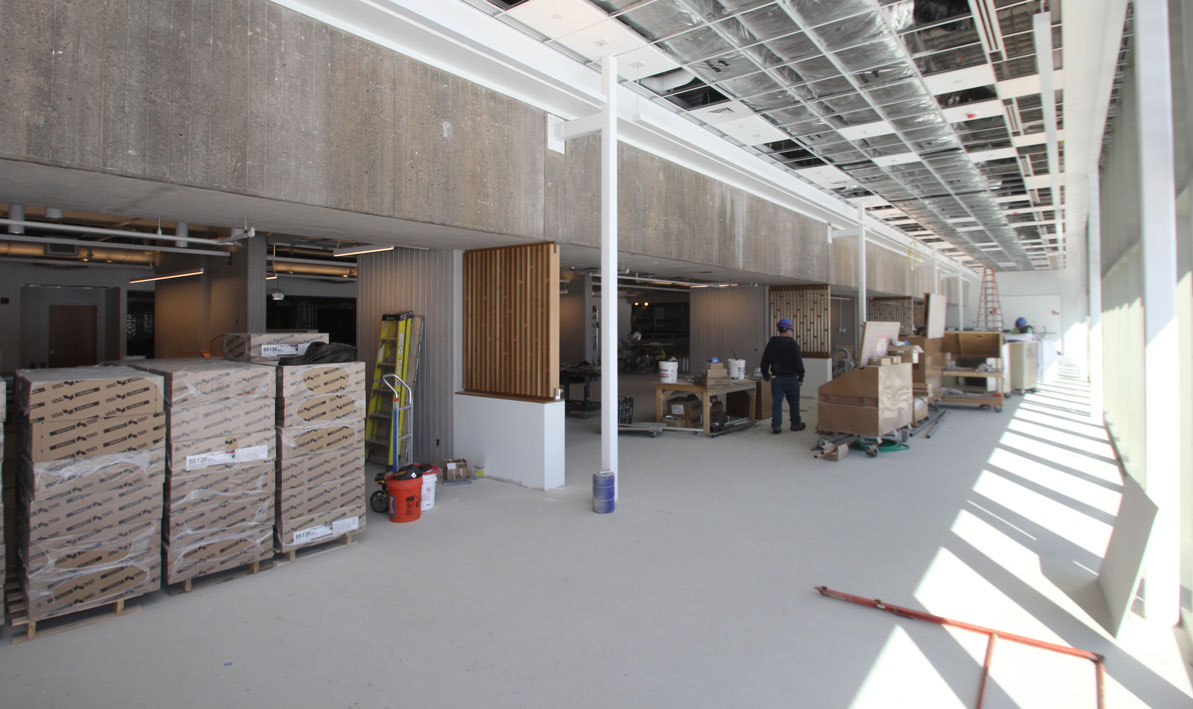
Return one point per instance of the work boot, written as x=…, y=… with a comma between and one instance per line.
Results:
x=798, y=426
x=776, y=430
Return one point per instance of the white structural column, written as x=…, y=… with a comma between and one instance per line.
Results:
x=935, y=273
x=861, y=272
x=960, y=301
x=1157, y=208
x=609, y=269
x=1094, y=258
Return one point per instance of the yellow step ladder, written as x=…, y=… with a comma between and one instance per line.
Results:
x=398, y=349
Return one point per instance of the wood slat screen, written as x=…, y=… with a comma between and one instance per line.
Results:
x=511, y=321
x=900, y=309
x=808, y=308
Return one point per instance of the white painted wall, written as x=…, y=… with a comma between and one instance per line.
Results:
x=1035, y=291
x=517, y=441
x=817, y=371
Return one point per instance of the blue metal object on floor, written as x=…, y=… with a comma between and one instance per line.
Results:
x=602, y=492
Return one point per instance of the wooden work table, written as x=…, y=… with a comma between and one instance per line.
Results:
x=993, y=399
x=705, y=394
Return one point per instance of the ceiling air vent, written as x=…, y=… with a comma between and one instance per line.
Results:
x=62, y=250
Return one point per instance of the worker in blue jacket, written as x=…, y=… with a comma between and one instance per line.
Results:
x=783, y=367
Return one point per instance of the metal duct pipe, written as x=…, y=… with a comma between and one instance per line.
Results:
x=313, y=269
x=112, y=245
x=16, y=218
x=98, y=231
x=85, y=253
x=54, y=213
x=180, y=232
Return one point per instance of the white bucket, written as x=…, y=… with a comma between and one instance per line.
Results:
x=668, y=372
x=737, y=368
x=429, y=491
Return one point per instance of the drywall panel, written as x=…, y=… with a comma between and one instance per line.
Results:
x=517, y=441
x=1123, y=564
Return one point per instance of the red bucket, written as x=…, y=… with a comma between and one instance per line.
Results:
x=405, y=499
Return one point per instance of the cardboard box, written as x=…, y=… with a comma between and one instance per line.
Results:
x=868, y=401
x=301, y=381
x=65, y=553
x=80, y=476
x=688, y=407
x=94, y=436
x=246, y=447
x=225, y=513
x=454, y=469
x=323, y=408
x=224, y=417
x=243, y=478
x=190, y=380
x=320, y=527
x=90, y=514
x=51, y=594
x=908, y=353
x=298, y=440
x=321, y=467
x=86, y=392
x=203, y=555
x=244, y=346
x=919, y=409
x=305, y=500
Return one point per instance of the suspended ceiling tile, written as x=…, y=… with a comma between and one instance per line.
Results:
x=870, y=200
x=752, y=130
x=1027, y=85
x=825, y=176
x=722, y=112
x=1039, y=182
x=961, y=79
x=606, y=37
x=988, y=155
x=557, y=18
x=972, y=111
x=1040, y=138
x=899, y=159
x=866, y=130
x=645, y=61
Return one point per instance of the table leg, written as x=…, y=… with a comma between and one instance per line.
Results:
x=658, y=404
x=750, y=394
x=704, y=398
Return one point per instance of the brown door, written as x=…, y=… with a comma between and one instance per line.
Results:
x=72, y=335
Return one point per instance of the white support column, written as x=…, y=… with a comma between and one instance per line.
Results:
x=935, y=273
x=609, y=269
x=1094, y=257
x=861, y=272
x=1157, y=207
x=960, y=301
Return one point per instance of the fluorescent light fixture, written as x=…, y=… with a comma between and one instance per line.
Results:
x=271, y=276
x=165, y=276
x=363, y=249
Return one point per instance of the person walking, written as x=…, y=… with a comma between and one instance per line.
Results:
x=783, y=367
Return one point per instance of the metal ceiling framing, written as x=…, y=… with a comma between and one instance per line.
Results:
x=862, y=87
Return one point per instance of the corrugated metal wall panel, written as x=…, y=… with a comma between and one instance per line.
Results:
x=723, y=320
x=419, y=281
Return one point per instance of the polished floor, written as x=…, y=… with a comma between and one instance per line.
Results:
x=698, y=591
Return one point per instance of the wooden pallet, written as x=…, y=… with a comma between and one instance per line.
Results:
x=218, y=577
x=18, y=615
x=319, y=548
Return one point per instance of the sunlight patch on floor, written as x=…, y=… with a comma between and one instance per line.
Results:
x=902, y=676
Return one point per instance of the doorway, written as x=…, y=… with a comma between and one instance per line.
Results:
x=73, y=330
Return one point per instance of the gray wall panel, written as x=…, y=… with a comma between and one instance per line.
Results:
x=728, y=319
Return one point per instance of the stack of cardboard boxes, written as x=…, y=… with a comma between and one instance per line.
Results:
x=320, y=471
x=90, y=486
x=220, y=460
x=268, y=347
x=715, y=375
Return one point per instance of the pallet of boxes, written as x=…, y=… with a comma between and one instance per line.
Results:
x=320, y=439
x=219, y=489
x=89, y=490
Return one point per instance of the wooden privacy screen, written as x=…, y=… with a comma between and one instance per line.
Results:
x=808, y=309
x=899, y=309
x=511, y=321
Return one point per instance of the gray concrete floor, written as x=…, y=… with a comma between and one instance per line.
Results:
x=696, y=592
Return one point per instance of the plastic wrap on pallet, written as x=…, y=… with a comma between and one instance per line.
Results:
x=47, y=395
x=252, y=346
x=193, y=380
x=196, y=486
x=321, y=527
x=81, y=476
x=298, y=440
x=321, y=409
x=304, y=500
x=242, y=449
x=75, y=553
x=202, y=555
x=91, y=514
x=320, y=467
x=96, y=436
x=220, y=418
x=69, y=590
x=301, y=381
x=218, y=514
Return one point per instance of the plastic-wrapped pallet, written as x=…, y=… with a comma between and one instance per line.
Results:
x=320, y=470
x=90, y=486
x=268, y=347
x=220, y=450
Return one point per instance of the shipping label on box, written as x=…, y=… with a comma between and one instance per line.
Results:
x=325, y=408
x=86, y=392
x=94, y=436
x=321, y=467
x=202, y=453
x=454, y=469
x=190, y=380
x=195, y=486
x=312, y=439
x=70, y=591
x=226, y=417
x=295, y=502
x=65, y=553
x=304, y=380
x=218, y=512
x=202, y=555
x=96, y=513
x=320, y=527
x=80, y=476
x=244, y=346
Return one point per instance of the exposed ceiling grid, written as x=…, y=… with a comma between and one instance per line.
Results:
x=931, y=107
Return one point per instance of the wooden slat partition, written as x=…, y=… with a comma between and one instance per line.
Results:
x=511, y=321
x=899, y=309
x=809, y=310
